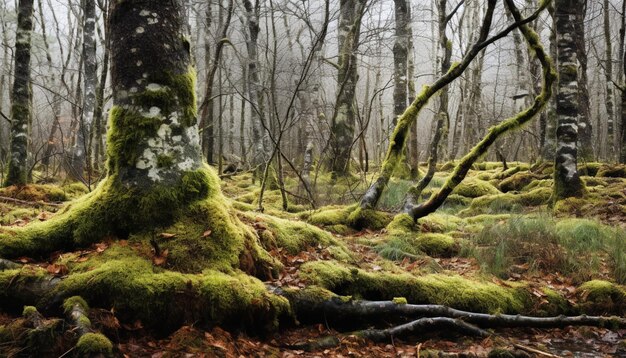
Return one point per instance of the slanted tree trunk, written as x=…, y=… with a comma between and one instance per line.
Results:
x=515, y=122
x=398, y=139
x=21, y=97
x=567, y=182
x=343, y=120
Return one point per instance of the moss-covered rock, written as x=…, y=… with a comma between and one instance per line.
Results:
x=473, y=188
x=91, y=344
x=518, y=181
x=368, y=219
x=601, y=297
x=612, y=171
x=437, y=245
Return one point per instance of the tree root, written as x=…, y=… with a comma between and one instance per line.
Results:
x=354, y=309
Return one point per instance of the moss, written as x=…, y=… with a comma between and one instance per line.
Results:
x=296, y=236
x=506, y=173
x=402, y=223
x=71, y=302
x=612, y=171
x=35, y=192
x=13, y=215
x=29, y=311
x=332, y=215
x=554, y=304
x=473, y=188
x=454, y=291
x=592, y=181
x=399, y=300
x=535, y=197
x=114, y=210
x=518, y=181
x=601, y=297
x=368, y=218
x=590, y=169
x=162, y=298
x=437, y=244
x=94, y=343
x=438, y=223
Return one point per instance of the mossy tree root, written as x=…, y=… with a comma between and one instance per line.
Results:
x=461, y=170
x=400, y=134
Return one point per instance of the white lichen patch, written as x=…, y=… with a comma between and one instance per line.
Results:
x=140, y=30
x=165, y=144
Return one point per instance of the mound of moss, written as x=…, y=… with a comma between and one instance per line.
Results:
x=454, y=291
x=473, y=188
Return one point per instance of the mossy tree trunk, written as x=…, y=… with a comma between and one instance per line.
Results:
x=400, y=134
x=567, y=182
x=21, y=97
x=522, y=118
x=343, y=121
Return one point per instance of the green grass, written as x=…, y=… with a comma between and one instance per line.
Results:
x=575, y=247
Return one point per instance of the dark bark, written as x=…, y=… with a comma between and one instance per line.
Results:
x=21, y=97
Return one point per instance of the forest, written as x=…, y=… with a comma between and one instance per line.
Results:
x=284, y=178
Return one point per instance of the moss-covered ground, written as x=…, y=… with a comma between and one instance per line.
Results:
x=495, y=247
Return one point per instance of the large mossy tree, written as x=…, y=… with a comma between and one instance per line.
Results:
x=156, y=183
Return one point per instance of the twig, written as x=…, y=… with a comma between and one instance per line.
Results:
x=29, y=203
x=533, y=350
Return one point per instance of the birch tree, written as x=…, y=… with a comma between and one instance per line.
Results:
x=21, y=97
x=567, y=182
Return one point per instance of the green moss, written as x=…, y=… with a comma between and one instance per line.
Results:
x=162, y=298
x=505, y=174
x=454, y=291
x=399, y=300
x=296, y=236
x=590, y=169
x=35, y=192
x=437, y=244
x=28, y=311
x=518, y=181
x=437, y=222
x=612, y=171
x=592, y=181
x=554, y=304
x=402, y=223
x=332, y=215
x=114, y=210
x=368, y=218
x=71, y=302
x=601, y=297
x=93, y=343
x=473, y=188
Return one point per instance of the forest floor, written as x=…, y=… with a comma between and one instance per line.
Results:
x=494, y=231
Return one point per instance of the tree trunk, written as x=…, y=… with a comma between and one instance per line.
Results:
x=548, y=148
x=585, y=140
x=20, y=98
x=567, y=182
x=255, y=94
x=608, y=73
x=343, y=120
